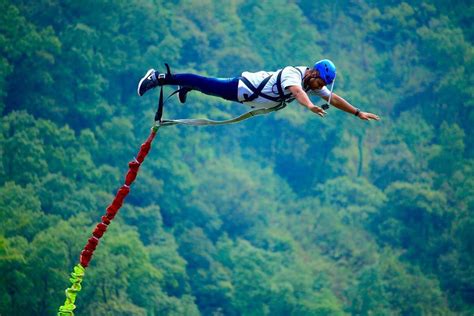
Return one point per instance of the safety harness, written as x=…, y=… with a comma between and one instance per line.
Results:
x=282, y=100
x=257, y=91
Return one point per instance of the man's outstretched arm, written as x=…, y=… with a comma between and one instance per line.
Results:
x=301, y=96
x=343, y=105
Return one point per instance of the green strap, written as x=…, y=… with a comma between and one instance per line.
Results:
x=203, y=122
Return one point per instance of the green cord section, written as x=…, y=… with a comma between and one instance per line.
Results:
x=71, y=293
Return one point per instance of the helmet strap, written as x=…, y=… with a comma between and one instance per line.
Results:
x=332, y=87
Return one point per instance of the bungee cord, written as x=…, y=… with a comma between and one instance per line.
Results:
x=77, y=275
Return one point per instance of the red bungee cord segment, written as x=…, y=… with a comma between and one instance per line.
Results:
x=101, y=228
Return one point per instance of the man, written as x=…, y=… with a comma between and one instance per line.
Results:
x=263, y=89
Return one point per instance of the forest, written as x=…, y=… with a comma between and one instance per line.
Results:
x=283, y=214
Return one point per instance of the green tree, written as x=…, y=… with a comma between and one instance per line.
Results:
x=15, y=284
x=20, y=211
x=416, y=219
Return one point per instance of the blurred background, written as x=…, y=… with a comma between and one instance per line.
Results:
x=286, y=214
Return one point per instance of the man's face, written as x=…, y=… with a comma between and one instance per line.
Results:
x=316, y=83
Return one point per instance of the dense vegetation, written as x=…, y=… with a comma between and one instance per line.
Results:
x=287, y=214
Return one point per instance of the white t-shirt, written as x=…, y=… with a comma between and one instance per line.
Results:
x=289, y=77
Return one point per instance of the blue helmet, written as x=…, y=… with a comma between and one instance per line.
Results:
x=327, y=70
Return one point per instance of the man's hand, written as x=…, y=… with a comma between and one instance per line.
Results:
x=317, y=110
x=368, y=116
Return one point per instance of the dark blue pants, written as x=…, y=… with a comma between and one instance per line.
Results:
x=225, y=88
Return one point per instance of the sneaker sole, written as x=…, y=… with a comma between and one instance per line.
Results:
x=148, y=73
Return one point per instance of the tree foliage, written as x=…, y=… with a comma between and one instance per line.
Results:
x=286, y=214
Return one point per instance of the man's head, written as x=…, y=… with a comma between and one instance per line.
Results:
x=323, y=73
x=326, y=70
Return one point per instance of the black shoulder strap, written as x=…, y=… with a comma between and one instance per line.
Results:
x=301, y=74
x=279, y=87
x=284, y=97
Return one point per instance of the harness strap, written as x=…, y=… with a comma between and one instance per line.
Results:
x=257, y=92
x=289, y=97
x=279, y=88
x=161, y=102
x=203, y=122
x=159, y=111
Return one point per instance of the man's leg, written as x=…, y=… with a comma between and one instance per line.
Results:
x=225, y=88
